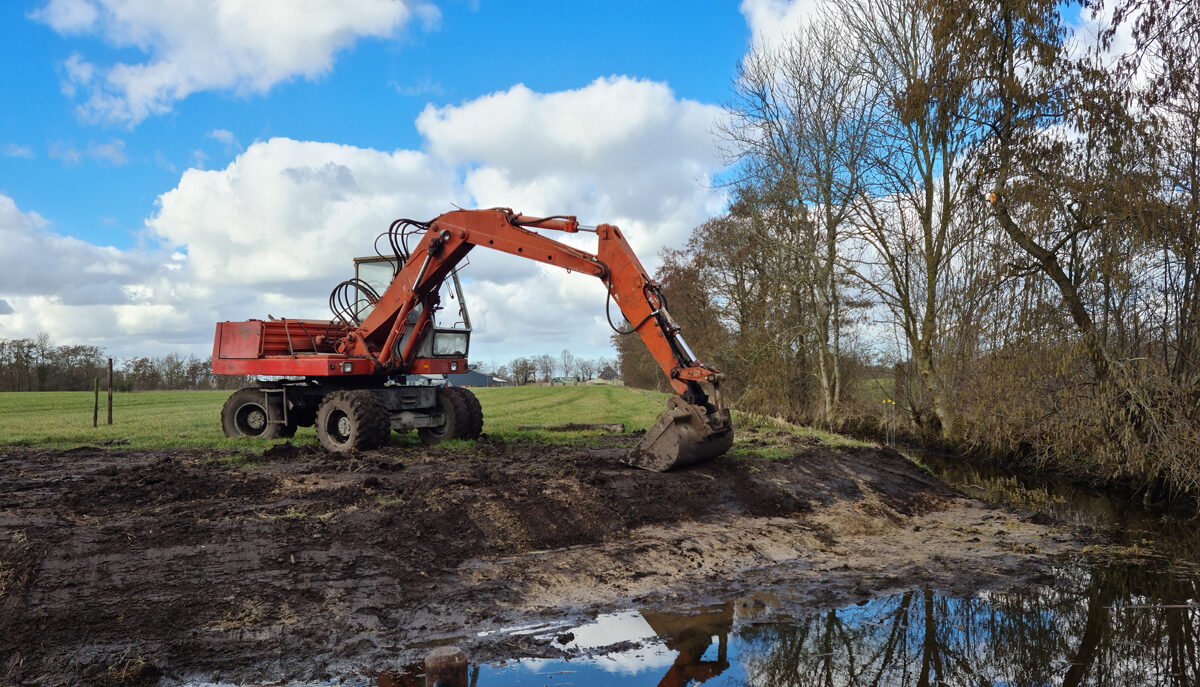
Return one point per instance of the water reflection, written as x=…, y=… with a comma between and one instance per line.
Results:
x=1132, y=619
x=1111, y=625
x=691, y=636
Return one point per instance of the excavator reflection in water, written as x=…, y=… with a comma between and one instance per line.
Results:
x=691, y=635
x=688, y=634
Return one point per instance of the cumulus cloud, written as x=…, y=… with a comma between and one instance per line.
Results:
x=295, y=210
x=199, y=45
x=773, y=20
x=38, y=261
x=112, y=152
x=46, y=275
x=68, y=16
x=278, y=226
x=619, y=150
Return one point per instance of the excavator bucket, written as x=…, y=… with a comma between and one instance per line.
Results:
x=685, y=434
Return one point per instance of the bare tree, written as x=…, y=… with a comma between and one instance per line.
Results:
x=545, y=366
x=566, y=362
x=799, y=127
x=586, y=368
x=909, y=219
x=522, y=370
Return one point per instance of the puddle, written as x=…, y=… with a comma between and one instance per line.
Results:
x=1117, y=627
x=1126, y=618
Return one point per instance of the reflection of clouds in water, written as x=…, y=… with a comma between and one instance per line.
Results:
x=610, y=628
x=606, y=630
x=655, y=658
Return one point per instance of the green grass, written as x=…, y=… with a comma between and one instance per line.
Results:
x=779, y=437
x=505, y=409
x=191, y=419
x=875, y=390
x=153, y=419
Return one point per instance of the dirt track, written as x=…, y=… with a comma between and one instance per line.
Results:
x=301, y=565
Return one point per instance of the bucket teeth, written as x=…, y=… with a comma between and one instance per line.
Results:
x=684, y=435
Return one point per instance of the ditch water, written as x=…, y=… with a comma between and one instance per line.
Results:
x=1128, y=615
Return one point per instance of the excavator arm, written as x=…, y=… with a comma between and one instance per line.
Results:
x=696, y=425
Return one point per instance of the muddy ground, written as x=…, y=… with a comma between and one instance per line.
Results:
x=298, y=565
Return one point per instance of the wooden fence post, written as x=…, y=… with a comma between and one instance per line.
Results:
x=96, y=402
x=446, y=666
x=110, y=391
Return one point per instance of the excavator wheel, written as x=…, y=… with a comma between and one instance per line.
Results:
x=352, y=420
x=453, y=407
x=246, y=414
x=472, y=425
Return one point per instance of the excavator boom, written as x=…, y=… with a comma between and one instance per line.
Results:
x=391, y=339
x=696, y=426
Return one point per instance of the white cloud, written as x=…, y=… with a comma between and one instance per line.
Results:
x=68, y=16
x=38, y=262
x=277, y=227
x=619, y=150
x=425, y=86
x=295, y=211
x=223, y=135
x=79, y=73
x=772, y=20
x=15, y=150
x=110, y=153
x=199, y=45
x=69, y=154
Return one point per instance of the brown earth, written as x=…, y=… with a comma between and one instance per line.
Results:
x=121, y=566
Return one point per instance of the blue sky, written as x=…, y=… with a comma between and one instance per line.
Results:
x=370, y=98
x=167, y=165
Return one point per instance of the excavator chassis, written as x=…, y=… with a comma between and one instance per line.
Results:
x=351, y=416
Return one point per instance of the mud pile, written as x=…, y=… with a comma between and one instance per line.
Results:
x=299, y=565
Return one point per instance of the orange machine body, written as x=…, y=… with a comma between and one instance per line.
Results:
x=321, y=348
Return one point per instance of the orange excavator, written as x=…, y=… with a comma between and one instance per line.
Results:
x=352, y=376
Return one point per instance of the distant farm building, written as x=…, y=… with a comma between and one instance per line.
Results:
x=474, y=378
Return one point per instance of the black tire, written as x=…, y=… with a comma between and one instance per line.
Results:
x=352, y=421
x=454, y=414
x=472, y=425
x=245, y=414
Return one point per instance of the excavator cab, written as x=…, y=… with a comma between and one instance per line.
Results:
x=451, y=335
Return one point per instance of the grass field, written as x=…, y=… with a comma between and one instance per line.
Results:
x=192, y=419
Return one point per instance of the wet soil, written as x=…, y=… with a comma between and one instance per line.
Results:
x=296, y=564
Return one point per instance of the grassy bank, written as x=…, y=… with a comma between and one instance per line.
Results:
x=191, y=419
